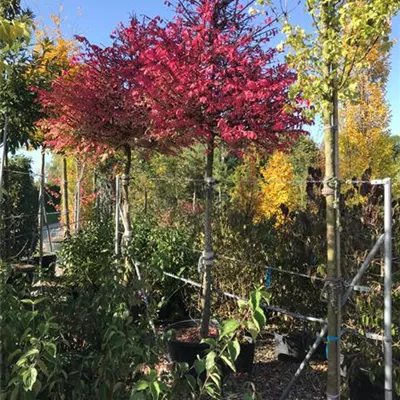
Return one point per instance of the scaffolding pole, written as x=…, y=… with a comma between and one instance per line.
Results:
x=388, y=291
x=41, y=209
x=387, y=315
x=324, y=330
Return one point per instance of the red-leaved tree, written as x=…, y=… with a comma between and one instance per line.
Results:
x=97, y=107
x=210, y=78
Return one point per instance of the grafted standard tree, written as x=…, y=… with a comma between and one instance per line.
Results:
x=210, y=79
x=97, y=107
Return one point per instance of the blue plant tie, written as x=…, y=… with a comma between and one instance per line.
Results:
x=268, y=278
x=331, y=339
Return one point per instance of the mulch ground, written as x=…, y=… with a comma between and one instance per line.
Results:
x=270, y=377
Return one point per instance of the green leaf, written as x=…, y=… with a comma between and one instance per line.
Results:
x=228, y=362
x=155, y=390
x=255, y=298
x=141, y=385
x=252, y=329
x=216, y=379
x=24, y=358
x=259, y=316
x=210, y=360
x=229, y=327
x=38, y=301
x=27, y=301
x=199, y=366
x=234, y=349
x=210, y=341
x=50, y=348
x=29, y=378
x=242, y=304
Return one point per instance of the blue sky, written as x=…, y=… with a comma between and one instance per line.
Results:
x=95, y=19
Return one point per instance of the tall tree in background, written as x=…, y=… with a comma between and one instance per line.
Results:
x=365, y=142
x=17, y=111
x=279, y=193
x=52, y=56
x=246, y=194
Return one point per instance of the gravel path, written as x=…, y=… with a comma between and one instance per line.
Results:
x=270, y=376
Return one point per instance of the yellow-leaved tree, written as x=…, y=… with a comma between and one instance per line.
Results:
x=52, y=54
x=52, y=50
x=365, y=141
x=246, y=193
x=279, y=192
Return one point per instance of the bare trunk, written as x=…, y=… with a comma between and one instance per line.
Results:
x=3, y=187
x=79, y=174
x=208, y=254
x=3, y=161
x=333, y=281
x=126, y=217
x=332, y=192
x=65, y=203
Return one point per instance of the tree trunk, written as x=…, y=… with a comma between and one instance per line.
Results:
x=3, y=161
x=65, y=205
x=331, y=190
x=208, y=255
x=126, y=217
x=333, y=281
x=6, y=204
x=79, y=176
x=3, y=188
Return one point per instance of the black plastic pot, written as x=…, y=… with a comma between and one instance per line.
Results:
x=48, y=261
x=361, y=387
x=182, y=351
x=188, y=352
x=245, y=360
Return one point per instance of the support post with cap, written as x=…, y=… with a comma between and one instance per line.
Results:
x=388, y=290
x=208, y=255
x=387, y=313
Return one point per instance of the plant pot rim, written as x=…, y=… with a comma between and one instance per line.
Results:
x=189, y=323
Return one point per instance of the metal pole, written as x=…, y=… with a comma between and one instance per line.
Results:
x=41, y=208
x=324, y=330
x=47, y=228
x=388, y=289
x=3, y=158
x=117, y=210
